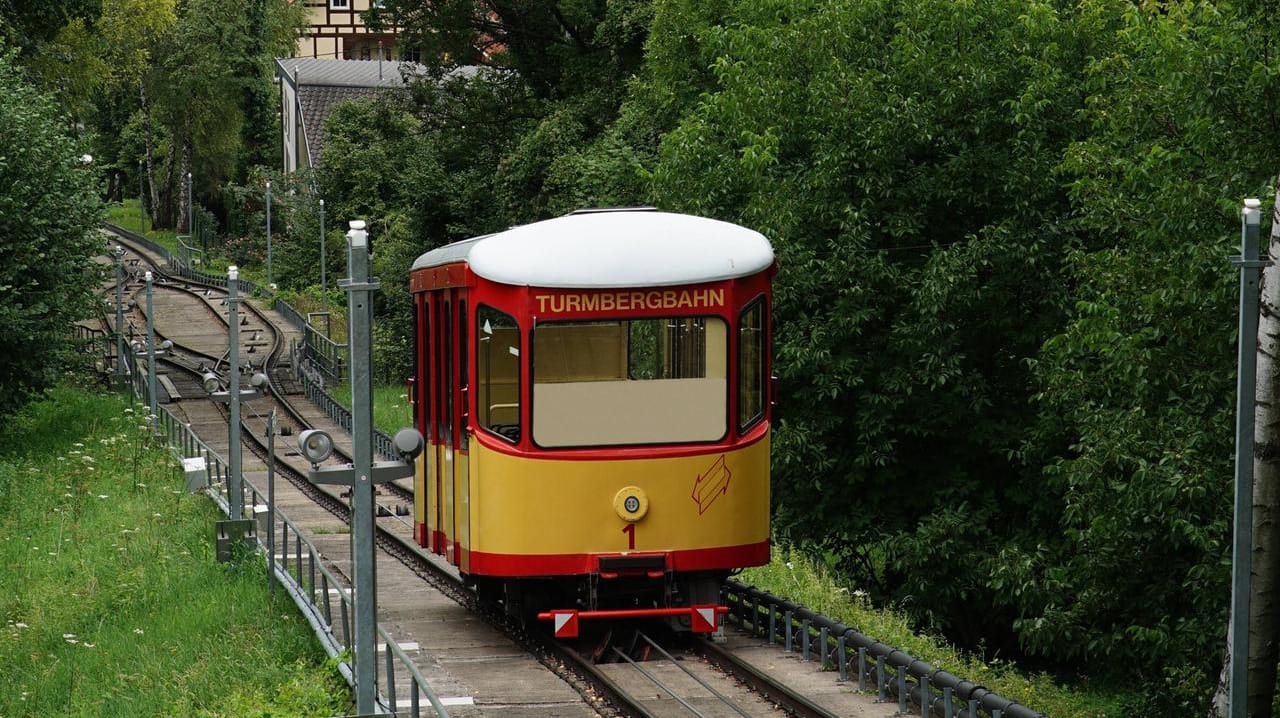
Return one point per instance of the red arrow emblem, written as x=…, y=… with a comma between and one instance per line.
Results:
x=711, y=485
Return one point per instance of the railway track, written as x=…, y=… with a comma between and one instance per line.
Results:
x=631, y=673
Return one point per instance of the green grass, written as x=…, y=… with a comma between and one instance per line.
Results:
x=111, y=600
x=793, y=576
x=391, y=410
x=126, y=215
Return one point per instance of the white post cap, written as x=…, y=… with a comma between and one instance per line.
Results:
x=148, y=276
x=1252, y=212
x=233, y=272
x=358, y=236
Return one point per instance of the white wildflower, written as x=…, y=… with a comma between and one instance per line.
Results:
x=68, y=635
x=138, y=631
x=72, y=641
x=87, y=644
x=20, y=624
x=103, y=496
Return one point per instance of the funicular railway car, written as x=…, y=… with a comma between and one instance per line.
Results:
x=594, y=393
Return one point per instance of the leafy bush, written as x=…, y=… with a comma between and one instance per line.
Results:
x=49, y=210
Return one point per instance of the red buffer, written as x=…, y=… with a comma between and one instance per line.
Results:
x=702, y=619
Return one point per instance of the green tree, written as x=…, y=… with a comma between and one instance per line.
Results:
x=1137, y=391
x=49, y=212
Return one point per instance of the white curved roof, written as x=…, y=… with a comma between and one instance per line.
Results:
x=621, y=248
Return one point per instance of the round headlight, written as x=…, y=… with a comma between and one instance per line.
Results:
x=316, y=445
x=408, y=443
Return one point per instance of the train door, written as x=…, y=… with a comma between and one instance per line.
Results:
x=461, y=468
x=419, y=393
x=446, y=534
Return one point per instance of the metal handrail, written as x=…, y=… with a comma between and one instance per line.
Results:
x=184, y=443
x=290, y=314
x=934, y=690
x=341, y=416
x=327, y=355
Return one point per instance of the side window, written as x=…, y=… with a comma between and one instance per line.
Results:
x=498, y=373
x=751, y=364
x=421, y=368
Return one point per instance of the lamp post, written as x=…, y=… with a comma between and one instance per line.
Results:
x=231, y=397
x=190, y=217
x=142, y=211
x=151, y=360
x=271, y=501
x=233, y=369
x=324, y=292
x=118, y=253
x=363, y=473
x=1250, y=265
x=269, y=283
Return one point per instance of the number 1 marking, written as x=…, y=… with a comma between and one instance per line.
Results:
x=630, y=531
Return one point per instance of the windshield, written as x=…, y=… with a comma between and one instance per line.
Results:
x=641, y=381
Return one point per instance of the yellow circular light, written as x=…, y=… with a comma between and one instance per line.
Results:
x=631, y=504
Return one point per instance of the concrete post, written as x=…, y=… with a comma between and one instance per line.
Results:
x=324, y=287
x=271, y=503
x=120, y=344
x=359, y=288
x=151, y=362
x=235, y=475
x=269, y=280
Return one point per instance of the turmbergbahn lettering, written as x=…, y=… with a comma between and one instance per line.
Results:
x=652, y=300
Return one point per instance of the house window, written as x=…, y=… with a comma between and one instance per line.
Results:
x=340, y=4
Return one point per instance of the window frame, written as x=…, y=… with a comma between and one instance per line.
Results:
x=339, y=4
x=480, y=419
x=728, y=356
x=745, y=425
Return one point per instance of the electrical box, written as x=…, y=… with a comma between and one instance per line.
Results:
x=196, y=472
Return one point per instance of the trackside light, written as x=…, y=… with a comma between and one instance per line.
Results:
x=258, y=380
x=316, y=445
x=210, y=382
x=408, y=443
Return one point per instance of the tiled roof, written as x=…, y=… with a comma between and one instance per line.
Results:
x=316, y=102
x=322, y=84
